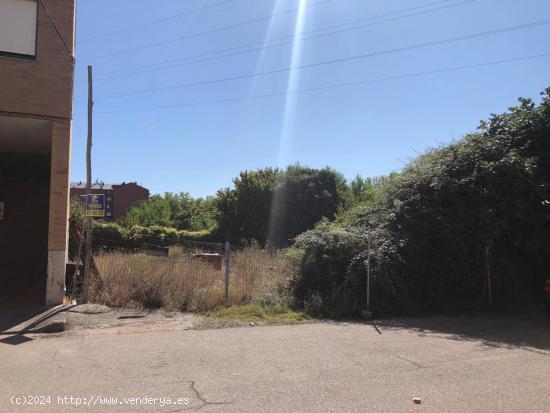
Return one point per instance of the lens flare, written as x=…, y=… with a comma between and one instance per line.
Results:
x=279, y=201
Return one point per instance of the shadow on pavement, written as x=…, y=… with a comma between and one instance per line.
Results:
x=11, y=317
x=531, y=331
x=15, y=340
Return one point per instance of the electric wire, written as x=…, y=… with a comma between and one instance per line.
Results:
x=164, y=19
x=241, y=52
x=326, y=62
x=203, y=33
x=290, y=37
x=65, y=45
x=332, y=86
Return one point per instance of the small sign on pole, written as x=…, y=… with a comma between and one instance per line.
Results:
x=95, y=205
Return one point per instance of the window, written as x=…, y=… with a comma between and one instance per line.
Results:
x=18, y=28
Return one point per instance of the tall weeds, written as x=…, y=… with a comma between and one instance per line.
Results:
x=186, y=283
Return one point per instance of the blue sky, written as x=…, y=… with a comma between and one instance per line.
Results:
x=170, y=140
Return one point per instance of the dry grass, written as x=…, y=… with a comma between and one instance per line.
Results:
x=181, y=282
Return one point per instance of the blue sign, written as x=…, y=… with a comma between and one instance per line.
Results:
x=95, y=205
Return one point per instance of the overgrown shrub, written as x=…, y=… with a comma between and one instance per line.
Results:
x=332, y=274
x=453, y=214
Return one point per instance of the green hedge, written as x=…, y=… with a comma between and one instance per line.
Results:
x=116, y=235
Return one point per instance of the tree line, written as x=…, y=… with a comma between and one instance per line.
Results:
x=268, y=206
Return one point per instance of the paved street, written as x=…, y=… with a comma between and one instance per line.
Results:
x=452, y=365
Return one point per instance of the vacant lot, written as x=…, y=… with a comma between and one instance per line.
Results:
x=453, y=365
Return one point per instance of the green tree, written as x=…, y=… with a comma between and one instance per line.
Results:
x=272, y=206
x=180, y=211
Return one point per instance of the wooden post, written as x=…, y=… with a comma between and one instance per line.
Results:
x=226, y=274
x=89, y=225
x=366, y=313
x=368, y=271
x=76, y=274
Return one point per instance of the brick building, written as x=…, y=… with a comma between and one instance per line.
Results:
x=118, y=197
x=36, y=78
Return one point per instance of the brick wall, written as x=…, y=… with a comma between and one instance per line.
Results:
x=126, y=195
x=42, y=86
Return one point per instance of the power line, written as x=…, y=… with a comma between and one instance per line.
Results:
x=167, y=18
x=326, y=62
x=278, y=38
x=333, y=86
x=203, y=33
x=266, y=44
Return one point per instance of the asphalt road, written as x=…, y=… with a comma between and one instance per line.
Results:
x=452, y=365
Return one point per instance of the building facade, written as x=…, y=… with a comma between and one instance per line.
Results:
x=119, y=198
x=36, y=78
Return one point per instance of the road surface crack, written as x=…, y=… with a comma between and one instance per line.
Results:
x=376, y=328
x=420, y=366
x=199, y=396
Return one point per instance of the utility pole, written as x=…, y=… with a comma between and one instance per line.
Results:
x=88, y=258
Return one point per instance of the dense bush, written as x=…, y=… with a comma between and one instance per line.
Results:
x=329, y=281
x=480, y=203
